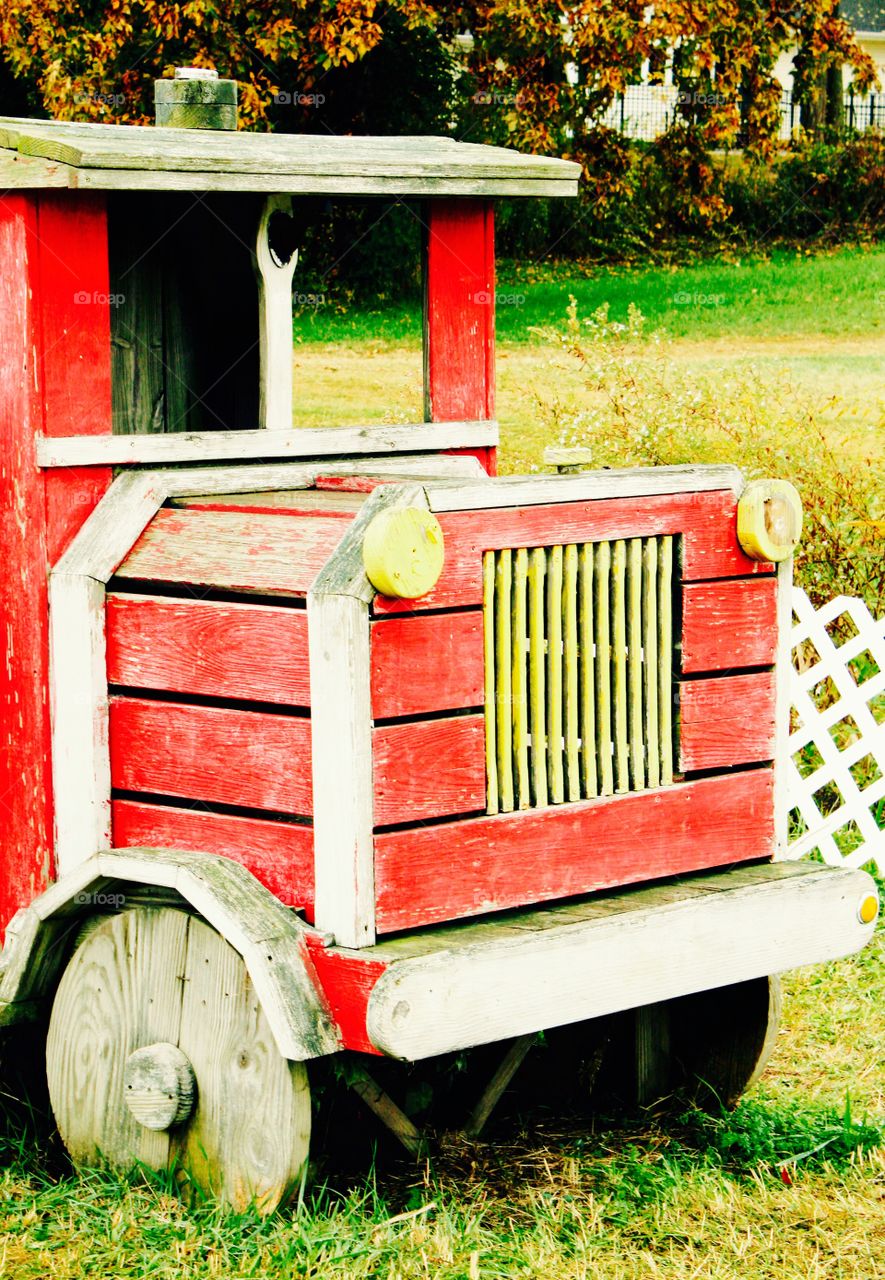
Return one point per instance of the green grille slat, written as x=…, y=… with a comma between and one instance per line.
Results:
x=578, y=671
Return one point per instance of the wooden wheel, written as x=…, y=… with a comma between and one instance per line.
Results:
x=159, y=1053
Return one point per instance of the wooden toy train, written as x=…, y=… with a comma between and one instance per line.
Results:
x=328, y=739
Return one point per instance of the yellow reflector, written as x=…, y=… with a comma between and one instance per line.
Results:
x=769, y=520
x=868, y=909
x=403, y=552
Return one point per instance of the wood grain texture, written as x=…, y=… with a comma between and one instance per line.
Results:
x=422, y=664
x=25, y=769
x=640, y=948
x=144, y=976
x=252, y=759
x=274, y=554
x=428, y=769
x=257, y=652
x=728, y=624
x=346, y=979
x=279, y=854
x=342, y=762
x=477, y=865
x=726, y=720
x=80, y=767
x=230, y=446
x=706, y=521
x=459, y=310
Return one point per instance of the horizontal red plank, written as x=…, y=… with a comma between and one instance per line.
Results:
x=429, y=663
x=725, y=721
x=273, y=553
x=248, y=651
x=279, y=854
x=478, y=865
x=248, y=758
x=729, y=624
x=707, y=522
x=429, y=769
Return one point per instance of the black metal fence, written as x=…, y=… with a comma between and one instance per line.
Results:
x=647, y=111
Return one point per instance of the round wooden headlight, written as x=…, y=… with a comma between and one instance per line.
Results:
x=769, y=520
x=403, y=552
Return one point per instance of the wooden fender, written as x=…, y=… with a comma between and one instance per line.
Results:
x=270, y=938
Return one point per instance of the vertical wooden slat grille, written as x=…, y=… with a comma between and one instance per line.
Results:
x=579, y=671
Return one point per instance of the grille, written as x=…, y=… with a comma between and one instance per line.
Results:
x=578, y=671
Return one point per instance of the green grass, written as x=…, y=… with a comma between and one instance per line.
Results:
x=839, y=294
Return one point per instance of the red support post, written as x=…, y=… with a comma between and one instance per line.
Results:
x=459, y=315
x=54, y=380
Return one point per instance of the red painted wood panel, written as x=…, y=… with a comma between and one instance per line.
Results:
x=53, y=372
x=429, y=769
x=465, y=868
x=347, y=979
x=279, y=854
x=273, y=553
x=707, y=522
x=25, y=777
x=256, y=652
x=422, y=664
x=75, y=348
x=459, y=315
x=248, y=758
x=727, y=720
x=729, y=624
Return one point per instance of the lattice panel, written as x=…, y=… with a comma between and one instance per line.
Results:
x=836, y=772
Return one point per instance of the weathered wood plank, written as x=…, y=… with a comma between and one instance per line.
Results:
x=520, y=681
x=589, y=773
x=226, y=650
x=571, y=666
x=231, y=446
x=342, y=766
x=278, y=854
x=486, y=864
x=726, y=720
x=422, y=664
x=706, y=521
x=274, y=554
x=555, y=778
x=624, y=482
x=503, y=675
x=80, y=769
x=728, y=625
x=603, y=667
x=650, y=637
x=247, y=758
x=619, y=666
x=488, y=647
x=634, y=663
x=665, y=658
x=538, y=674
x=429, y=769
x=646, y=954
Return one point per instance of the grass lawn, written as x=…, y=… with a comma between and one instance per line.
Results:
x=791, y=1186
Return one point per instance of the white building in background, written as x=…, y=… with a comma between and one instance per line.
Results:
x=648, y=108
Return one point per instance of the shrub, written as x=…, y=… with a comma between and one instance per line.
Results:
x=643, y=408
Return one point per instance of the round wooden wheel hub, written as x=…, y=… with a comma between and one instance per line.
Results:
x=159, y=1054
x=159, y=1085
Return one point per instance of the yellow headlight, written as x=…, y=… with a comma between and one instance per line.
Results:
x=769, y=520
x=403, y=552
x=868, y=909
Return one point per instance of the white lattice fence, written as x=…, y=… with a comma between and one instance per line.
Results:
x=836, y=773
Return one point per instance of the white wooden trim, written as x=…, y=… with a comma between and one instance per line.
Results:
x=81, y=770
x=233, y=446
x=341, y=751
x=783, y=676
x=274, y=323
x=639, y=951
x=628, y=482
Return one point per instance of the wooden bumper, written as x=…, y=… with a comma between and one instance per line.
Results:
x=478, y=983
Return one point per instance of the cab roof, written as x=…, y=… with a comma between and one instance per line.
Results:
x=61, y=153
